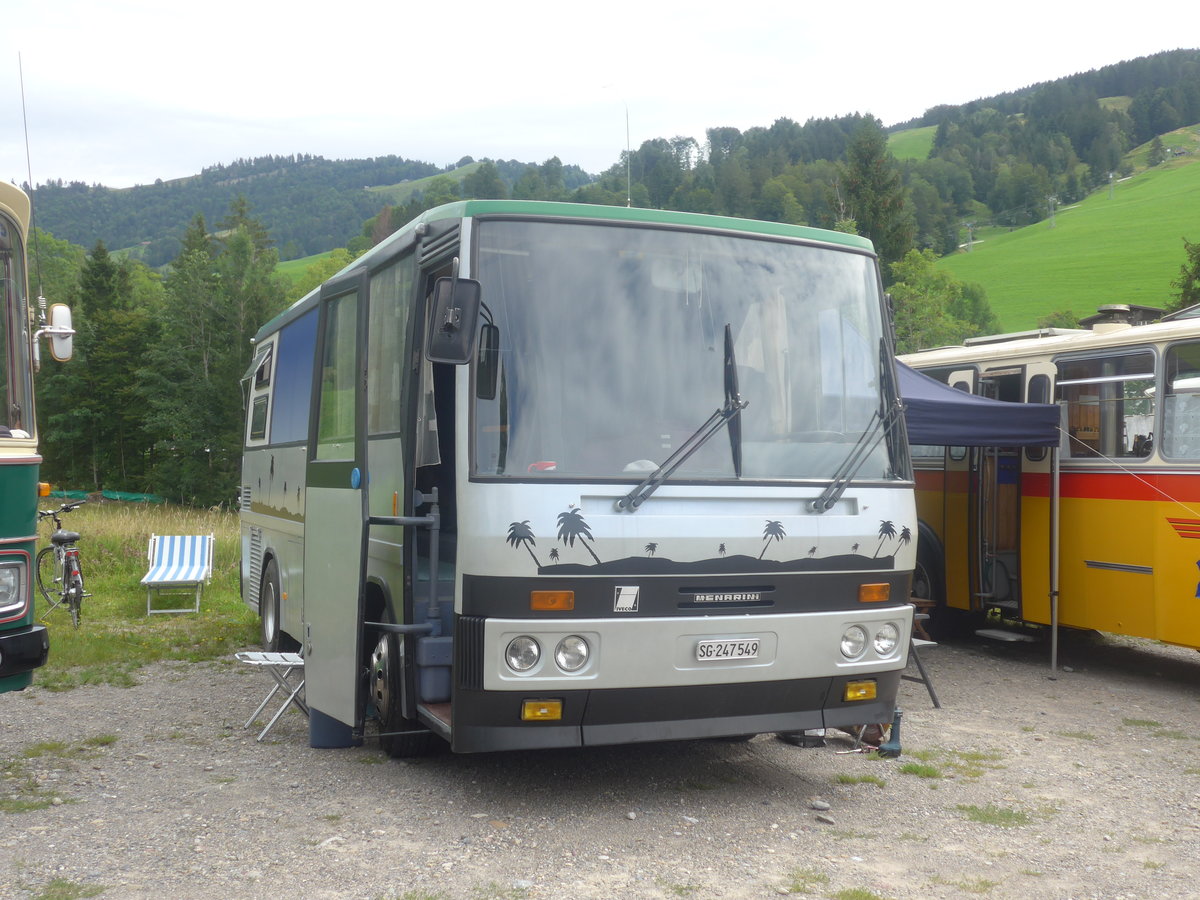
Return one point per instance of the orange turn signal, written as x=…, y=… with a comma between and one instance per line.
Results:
x=541, y=710
x=552, y=600
x=859, y=690
x=43, y=489
x=874, y=593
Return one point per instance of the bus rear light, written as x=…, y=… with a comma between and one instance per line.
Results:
x=553, y=601
x=859, y=690
x=874, y=593
x=43, y=489
x=541, y=710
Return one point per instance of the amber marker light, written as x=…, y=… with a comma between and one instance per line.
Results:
x=874, y=593
x=552, y=600
x=541, y=710
x=43, y=489
x=859, y=690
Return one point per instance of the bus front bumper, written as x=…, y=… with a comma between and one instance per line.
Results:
x=23, y=650
x=487, y=721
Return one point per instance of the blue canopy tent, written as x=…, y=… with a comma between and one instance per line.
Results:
x=938, y=414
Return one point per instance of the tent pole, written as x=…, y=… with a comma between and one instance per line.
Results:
x=1055, y=472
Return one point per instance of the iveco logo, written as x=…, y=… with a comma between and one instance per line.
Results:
x=738, y=597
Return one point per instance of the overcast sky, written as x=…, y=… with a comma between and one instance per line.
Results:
x=128, y=91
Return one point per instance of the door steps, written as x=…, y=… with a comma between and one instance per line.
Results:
x=1003, y=634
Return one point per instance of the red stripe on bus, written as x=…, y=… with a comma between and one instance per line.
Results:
x=1115, y=486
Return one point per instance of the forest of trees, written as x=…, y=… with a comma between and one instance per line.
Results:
x=152, y=400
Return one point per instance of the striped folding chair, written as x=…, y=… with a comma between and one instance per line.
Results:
x=180, y=565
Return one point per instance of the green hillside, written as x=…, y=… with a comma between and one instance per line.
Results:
x=1123, y=248
x=912, y=143
x=399, y=194
x=295, y=268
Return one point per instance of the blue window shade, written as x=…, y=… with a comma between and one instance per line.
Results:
x=293, y=380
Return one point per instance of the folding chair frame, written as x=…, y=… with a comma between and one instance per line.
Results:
x=280, y=667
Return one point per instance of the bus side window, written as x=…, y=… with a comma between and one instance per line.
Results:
x=1110, y=403
x=260, y=394
x=1181, y=402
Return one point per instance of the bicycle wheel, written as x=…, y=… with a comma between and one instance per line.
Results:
x=46, y=571
x=75, y=592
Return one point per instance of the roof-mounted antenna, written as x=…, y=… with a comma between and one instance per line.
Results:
x=37, y=258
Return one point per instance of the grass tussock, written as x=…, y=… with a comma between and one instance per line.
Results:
x=115, y=636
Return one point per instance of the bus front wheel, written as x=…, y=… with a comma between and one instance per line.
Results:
x=398, y=736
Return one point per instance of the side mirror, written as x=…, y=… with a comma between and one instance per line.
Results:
x=455, y=320
x=487, y=364
x=60, y=332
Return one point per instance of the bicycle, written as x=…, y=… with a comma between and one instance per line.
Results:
x=59, y=576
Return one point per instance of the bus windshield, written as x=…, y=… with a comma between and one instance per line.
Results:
x=16, y=389
x=611, y=352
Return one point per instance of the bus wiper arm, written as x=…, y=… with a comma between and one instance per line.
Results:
x=734, y=404
x=867, y=441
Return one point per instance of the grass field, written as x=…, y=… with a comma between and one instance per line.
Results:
x=915, y=143
x=402, y=192
x=115, y=636
x=295, y=268
x=1126, y=248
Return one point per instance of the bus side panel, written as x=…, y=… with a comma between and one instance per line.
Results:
x=273, y=527
x=1035, y=552
x=957, y=539
x=1107, y=557
x=23, y=644
x=1177, y=573
x=931, y=488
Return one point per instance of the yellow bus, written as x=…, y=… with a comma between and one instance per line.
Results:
x=1106, y=524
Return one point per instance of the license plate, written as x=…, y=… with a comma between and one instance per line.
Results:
x=743, y=649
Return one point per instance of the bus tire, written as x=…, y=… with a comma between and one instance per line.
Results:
x=398, y=736
x=273, y=638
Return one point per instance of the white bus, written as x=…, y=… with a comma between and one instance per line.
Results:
x=551, y=475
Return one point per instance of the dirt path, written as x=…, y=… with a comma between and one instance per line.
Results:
x=1087, y=785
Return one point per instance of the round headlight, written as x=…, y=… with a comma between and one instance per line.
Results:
x=10, y=586
x=522, y=653
x=886, y=639
x=572, y=653
x=854, y=641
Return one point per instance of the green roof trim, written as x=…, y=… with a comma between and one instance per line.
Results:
x=583, y=212
x=640, y=216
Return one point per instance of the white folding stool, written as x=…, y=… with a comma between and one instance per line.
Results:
x=280, y=666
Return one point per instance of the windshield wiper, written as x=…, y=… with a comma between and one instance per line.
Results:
x=727, y=414
x=882, y=423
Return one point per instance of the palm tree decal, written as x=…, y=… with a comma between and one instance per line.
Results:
x=773, y=531
x=721, y=550
x=519, y=533
x=905, y=536
x=651, y=548
x=571, y=525
x=553, y=554
x=886, y=531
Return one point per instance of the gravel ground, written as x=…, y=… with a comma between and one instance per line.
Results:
x=1021, y=786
